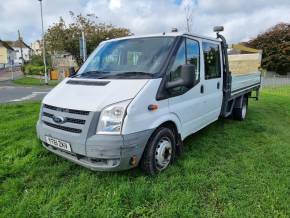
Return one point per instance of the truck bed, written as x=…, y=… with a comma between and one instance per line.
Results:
x=242, y=83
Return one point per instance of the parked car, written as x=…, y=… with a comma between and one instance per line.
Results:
x=136, y=99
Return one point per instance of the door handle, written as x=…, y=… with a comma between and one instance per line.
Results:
x=218, y=85
x=201, y=89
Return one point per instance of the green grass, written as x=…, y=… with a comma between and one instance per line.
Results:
x=229, y=169
x=28, y=81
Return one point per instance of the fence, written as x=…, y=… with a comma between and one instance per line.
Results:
x=275, y=81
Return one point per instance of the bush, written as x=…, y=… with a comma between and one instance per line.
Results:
x=34, y=70
x=36, y=60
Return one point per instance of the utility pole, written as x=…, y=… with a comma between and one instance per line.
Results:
x=84, y=46
x=188, y=13
x=43, y=45
x=20, y=43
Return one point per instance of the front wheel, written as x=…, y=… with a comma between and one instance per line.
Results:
x=159, y=152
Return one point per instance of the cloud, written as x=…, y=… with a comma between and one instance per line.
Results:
x=115, y=4
x=242, y=19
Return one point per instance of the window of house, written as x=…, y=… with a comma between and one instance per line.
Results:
x=211, y=54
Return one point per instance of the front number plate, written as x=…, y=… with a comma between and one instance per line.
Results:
x=58, y=143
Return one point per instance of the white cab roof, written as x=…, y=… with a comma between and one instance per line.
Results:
x=174, y=34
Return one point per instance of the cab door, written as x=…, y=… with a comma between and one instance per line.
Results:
x=211, y=83
x=183, y=102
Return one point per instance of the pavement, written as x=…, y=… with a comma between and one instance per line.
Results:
x=6, y=75
x=10, y=92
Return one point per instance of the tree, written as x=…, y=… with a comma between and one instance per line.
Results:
x=65, y=37
x=275, y=43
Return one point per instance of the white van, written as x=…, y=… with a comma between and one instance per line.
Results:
x=137, y=98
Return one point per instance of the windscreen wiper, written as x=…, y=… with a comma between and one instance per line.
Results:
x=92, y=74
x=129, y=74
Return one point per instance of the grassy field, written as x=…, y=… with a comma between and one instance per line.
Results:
x=28, y=81
x=229, y=169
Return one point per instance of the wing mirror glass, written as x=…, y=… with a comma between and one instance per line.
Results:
x=187, y=77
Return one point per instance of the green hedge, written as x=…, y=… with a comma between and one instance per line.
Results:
x=34, y=70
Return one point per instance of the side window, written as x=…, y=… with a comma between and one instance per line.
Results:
x=192, y=55
x=211, y=54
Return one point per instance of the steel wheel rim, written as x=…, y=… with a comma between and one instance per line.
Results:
x=244, y=111
x=163, y=153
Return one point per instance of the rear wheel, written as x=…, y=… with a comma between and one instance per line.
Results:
x=159, y=152
x=241, y=113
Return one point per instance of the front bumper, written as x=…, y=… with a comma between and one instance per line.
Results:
x=102, y=152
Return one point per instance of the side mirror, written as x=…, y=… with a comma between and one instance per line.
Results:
x=187, y=77
x=218, y=29
x=72, y=71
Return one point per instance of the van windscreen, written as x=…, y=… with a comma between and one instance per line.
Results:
x=135, y=57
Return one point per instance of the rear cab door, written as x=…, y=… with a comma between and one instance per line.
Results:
x=211, y=82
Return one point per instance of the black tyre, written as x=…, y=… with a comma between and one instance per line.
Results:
x=241, y=113
x=159, y=152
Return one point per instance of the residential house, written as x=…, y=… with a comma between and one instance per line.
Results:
x=36, y=47
x=7, y=55
x=23, y=52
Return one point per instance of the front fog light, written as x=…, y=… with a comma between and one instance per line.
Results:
x=111, y=118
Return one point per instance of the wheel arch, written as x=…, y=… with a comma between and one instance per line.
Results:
x=173, y=125
x=239, y=100
x=169, y=120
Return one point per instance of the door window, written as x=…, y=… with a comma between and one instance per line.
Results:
x=188, y=53
x=211, y=54
x=175, y=70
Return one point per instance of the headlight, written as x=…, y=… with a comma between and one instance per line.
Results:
x=111, y=118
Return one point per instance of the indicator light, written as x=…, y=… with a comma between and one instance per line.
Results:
x=152, y=107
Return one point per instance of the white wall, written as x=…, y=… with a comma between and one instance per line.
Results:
x=26, y=55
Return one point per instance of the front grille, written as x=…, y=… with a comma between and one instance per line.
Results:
x=74, y=121
x=64, y=128
x=67, y=119
x=72, y=111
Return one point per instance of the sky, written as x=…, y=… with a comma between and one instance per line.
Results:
x=242, y=19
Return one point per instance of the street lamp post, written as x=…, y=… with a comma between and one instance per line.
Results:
x=43, y=45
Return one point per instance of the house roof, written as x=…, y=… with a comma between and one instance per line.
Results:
x=6, y=45
x=18, y=44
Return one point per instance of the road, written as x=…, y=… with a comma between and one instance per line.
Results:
x=11, y=93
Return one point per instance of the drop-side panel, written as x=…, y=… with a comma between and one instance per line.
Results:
x=241, y=83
